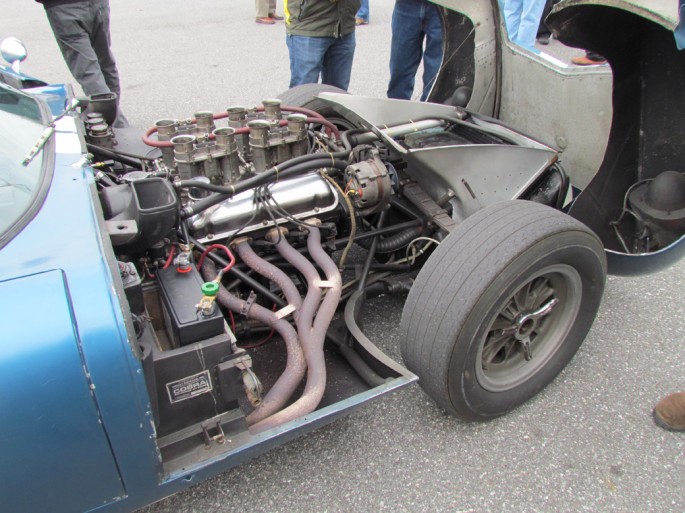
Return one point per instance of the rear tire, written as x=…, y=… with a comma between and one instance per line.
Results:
x=501, y=307
x=305, y=95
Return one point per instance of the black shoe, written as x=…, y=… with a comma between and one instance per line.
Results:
x=543, y=39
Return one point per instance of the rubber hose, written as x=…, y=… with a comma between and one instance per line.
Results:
x=105, y=152
x=393, y=242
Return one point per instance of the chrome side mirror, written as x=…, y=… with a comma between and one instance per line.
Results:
x=13, y=51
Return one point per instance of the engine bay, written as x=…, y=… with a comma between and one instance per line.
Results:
x=249, y=241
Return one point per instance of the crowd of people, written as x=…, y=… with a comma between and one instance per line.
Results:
x=320, y=37
x=321, y=44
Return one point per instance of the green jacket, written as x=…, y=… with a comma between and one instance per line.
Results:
x=320, y=18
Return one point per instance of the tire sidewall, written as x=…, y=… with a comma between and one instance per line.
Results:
x=305, y=95
x=465, y=392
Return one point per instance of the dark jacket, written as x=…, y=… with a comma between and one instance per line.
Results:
x=320, y=18
x=53, y=3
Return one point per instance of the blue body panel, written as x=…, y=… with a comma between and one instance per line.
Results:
x=51, y=403
x=63, y=240
x=18, y=80
x=55, y=96
x=83, y=427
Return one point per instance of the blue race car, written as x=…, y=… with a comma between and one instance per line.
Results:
x=177, y=302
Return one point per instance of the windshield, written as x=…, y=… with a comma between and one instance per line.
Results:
x=20, y=127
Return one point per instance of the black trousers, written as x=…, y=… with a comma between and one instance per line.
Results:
x=82, y=33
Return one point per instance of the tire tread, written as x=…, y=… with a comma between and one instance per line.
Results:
x=459, y=272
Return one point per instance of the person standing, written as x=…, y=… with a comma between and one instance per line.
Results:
x=363, y=14
x=321, y=41
x=544, y=32
x=679, y=32
x=522, y=18
x=81, y=28
x=414, y=21
x=266, y=12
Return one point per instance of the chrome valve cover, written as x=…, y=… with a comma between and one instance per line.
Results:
x=303, y=196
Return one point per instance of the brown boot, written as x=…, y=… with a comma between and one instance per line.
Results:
x=584, y=60
x=669, y=413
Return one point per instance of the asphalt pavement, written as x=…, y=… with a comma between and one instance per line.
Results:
x=586, y=443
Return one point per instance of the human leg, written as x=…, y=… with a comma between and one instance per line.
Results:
x=544, y=32
x=262, y=8
x=306, y=58
x=432, y=54
x=530, y=21
x=679, y=32
x=337, y=63
x=75, y=45
x=101, y=42
x=511, y=9
x=363, y=12
x=406, y=48
x=272, y=11
x=102, y=45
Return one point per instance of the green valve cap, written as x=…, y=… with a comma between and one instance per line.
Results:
x=210, y=288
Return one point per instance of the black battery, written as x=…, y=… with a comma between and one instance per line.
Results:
x=181, y=292
x=195, y=383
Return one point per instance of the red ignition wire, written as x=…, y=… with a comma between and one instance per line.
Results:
x=262, y=341
x=170, y=258
x=230, y=315
x=212, y=247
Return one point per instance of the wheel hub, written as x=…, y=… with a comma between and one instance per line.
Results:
x=527, y=322
x=533, y=321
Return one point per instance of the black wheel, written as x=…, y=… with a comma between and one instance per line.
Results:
x=501, y=307
x=305, y=96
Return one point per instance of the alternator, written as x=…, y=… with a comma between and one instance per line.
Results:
x=369, y=184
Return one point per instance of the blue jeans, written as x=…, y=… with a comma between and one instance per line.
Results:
x=522, y=18
x=680, y=29
x=363, y=12
x=412, y=21
x=327, y=57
